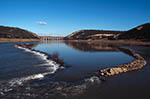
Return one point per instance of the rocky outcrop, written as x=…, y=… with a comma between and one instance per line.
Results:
x=137, y=64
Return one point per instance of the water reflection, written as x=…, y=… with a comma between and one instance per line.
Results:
x=84, y=58
x=91, y=47
x=85, y=46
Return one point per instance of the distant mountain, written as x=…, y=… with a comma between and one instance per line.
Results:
x=11, y=32
x=141, y=32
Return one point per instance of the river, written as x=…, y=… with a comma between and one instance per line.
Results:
x=24, y=74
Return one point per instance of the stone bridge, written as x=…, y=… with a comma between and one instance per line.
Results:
x=50, y=38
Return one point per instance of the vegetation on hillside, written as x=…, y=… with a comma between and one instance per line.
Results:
x=141, y=32
x=11, y=32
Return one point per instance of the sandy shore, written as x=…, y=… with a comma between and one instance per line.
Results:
x=17, y=40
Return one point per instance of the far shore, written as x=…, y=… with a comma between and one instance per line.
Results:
x=113, y=42
x=110, y=42
x=17, y=40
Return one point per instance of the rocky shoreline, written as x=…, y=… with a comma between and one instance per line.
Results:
x=137, y=64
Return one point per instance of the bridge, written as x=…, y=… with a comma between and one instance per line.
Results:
x=43, y=38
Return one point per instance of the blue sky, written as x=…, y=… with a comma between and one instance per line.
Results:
x=62, y=17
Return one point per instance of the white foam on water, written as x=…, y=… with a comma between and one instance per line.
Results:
x=72, y=90
x=52, y=66
x=93, y=79
x=20, y=81
x=80, y=88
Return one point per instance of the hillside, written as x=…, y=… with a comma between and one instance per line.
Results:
x=92, y=35
x=141, y=32
x=16, y=33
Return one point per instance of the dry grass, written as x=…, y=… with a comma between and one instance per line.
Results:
x=61, y=61
x=17, y=40
x=55, y=57
x=113, y=42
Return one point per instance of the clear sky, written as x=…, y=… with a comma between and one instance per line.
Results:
x=62, y=17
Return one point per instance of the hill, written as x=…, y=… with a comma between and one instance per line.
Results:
x=16, y=33
x=92, y=35
x=141, y=32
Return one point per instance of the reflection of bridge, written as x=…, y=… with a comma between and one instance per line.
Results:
x=50, y=38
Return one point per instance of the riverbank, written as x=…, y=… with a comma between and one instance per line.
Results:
x=17, y=40
x=113, y=42
x=137, y=64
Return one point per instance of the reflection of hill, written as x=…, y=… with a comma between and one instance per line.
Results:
x=85, y=46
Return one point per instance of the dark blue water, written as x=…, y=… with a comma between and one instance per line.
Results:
x=83, y=63
x=15, y=63
x=19, y=68
x=131, y=85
